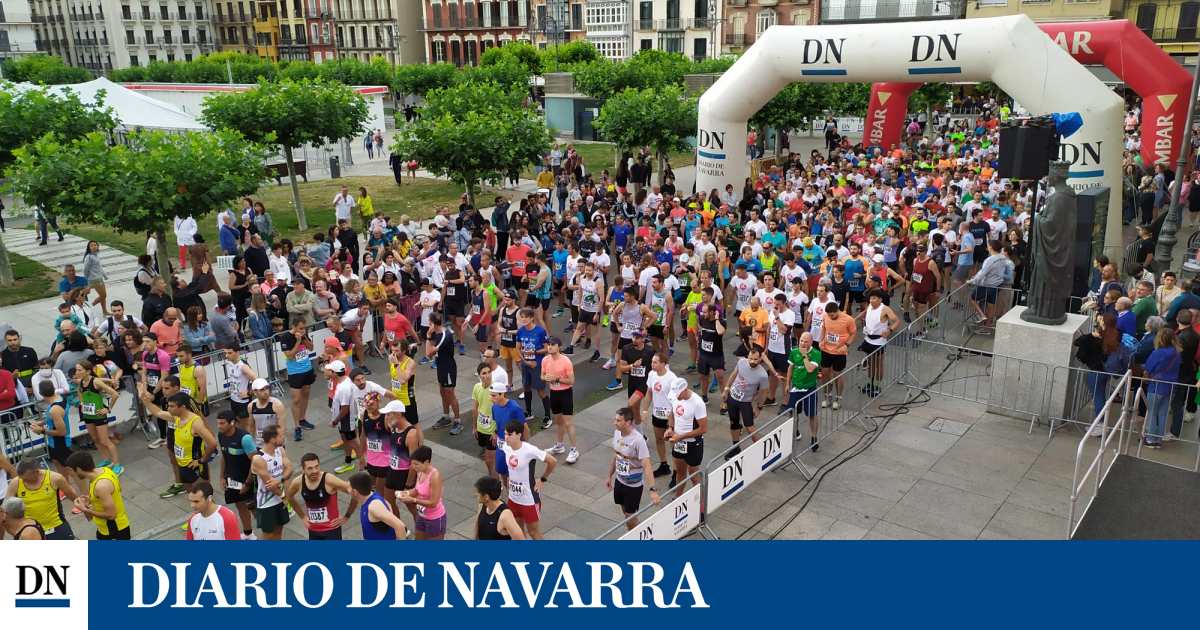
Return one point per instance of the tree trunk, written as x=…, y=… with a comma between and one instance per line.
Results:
x=617, y=158
x=6, y=272
x=287, y=152
x=778, y=144
x=469, y=180
x=164, y=258
x=658, y=157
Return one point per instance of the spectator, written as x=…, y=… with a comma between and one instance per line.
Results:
x=222, y=319
x=56, y=377
x=156, y=302
x=70, y=281
x=185, y=237
x=228, y=236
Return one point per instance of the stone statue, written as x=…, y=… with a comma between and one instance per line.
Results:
x=1052, y=252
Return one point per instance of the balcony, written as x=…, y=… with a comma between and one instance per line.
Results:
x=42, y=44
x=354, y=16
x=34, y=16
x=1172, y=35
x=841, y=12
x=643, y=25
x=739, y=40
x=293, y=43
x=670, y=24
x=486, y=22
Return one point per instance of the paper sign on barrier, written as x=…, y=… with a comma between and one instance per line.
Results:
x=225, y=262
x=753, y=462
x=672, y=521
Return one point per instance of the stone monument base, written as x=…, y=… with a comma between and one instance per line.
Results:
x=1031, y=383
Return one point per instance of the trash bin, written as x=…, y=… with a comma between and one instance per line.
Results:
x=335, y=167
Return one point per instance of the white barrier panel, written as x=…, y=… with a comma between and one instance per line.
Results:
x=257, y=361
x=216, y=375
x=753, y=462
x=368, y=329
x=672, y=521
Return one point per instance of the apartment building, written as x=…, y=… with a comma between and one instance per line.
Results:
x=688, y=27
x=459, y=32
x=18, y=37
x=746, y=20
x=556, y=22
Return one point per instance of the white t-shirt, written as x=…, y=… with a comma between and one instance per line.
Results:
x=659, y=388
x=343, y=396
x=352, y=321
x=630, y=450
x=359, y=397
x=998, y=228
x=791, y=273
x=744, y=289
x=343, y=204
x=797, y=303
x=428, y=296
x=817, y=312
x=767, y=298
x=646, y=277
x=213, y=527
x=686, y=412
x=776, y=340
x=522, y=472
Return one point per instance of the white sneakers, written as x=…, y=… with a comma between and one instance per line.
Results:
x=573, y=456
x=557, y=449
x=252, y=536
x=157, y=442
x=1188, y=416
x=1097, y=431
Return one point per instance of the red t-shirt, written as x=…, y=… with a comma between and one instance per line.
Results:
x=222, y=525
x=516, y=256
x=396, y=327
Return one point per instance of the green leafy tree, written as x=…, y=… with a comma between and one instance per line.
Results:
x=661, y=118
x=576, y=52
x=518, y=51
x=794, y=107
x=713, y=64
x=929, y=96
x=474, y=132
x=139, y=187
x=43, y=70
x=509, y=75
x=421, y=79
x=290, y=114
x=848, y=98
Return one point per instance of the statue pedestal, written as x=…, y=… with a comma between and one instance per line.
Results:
x=1023, y=382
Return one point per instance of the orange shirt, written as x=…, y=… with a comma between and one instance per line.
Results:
x=837, y=334
x=557, y=367
x=168, y=336
x=756, y=318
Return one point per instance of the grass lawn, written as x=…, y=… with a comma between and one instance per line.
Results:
x=34, y=281
x=419, y=198
x=598, y=156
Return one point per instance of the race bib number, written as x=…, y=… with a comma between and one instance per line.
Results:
x=318, y=515
x=917, y=277
x=530, y=356
x=831, y=339
x=774, y=334
x=421, y=511
x=89, y=408
x=516, y=488
x=743, y=301
x=302, y=354
x=483, y=421
x=681, y=448
x=375, y=446
x=506, y=337
x=178, y=452
x=391, y=336
x=233, y=485
x=186, y=390
x=396, y=385
x=638, y=370
x=152, y=379
x=476, y=309
x=662, y=413
x=706, y=346
x=394, y=462
x=622, y=467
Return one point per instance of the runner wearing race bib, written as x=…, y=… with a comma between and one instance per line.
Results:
x=237, y=450
x=631, y=460
x=686, y=433
x=272, y=467
x=298, y=358
x=403, y=439
x=711, y=359
x=531, y=341
x=264, y=409
x=658, y=406
x=485, y=424
x=319, y=492
x=524, y=486
x=744, y=287
x=748, y=378
x=590, y=285
x=663, y=308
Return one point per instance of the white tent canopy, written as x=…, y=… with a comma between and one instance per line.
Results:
x=133, y=110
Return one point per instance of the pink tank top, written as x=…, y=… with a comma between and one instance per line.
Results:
x=422, y=489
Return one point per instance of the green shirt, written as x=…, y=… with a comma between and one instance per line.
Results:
x=484, y=422
x=1144, y=309
x=801, y=377
x=693, y=319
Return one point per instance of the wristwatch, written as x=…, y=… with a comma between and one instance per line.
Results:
x=544, y=480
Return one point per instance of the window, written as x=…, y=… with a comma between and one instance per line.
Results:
x=452, y=9
x=647, y=44
x=129, y=37
x=133, y=61
x=202, y=36
x=576, y=17
x=170, y=57
x=611, y=49
x=187, y=56
x=645, y=16
x=153, y=57
x=167, y=37
x=186, y=36
x=472, y=52
x=456, y=53
x=149, y=36
x=765, y=20
x=671, y=42
x=993, y=3
x=162, y=11
x=541, y=16
x=439, y=51
x=285, y=31
x=125, y=13
x=199, y=12
x=672, y=14
x=145, y=12
x=699, y=48
x=1145, y=17
x=1188, y=13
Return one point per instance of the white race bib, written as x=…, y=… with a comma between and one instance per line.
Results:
x=516, y=488
x=476, y=309
x=301, y=354
x=743, y=301
x=391, y=336
x=638, y=371
x=917, y=277
x=394, y=462
x=318, y=515
x=178, y=452
x=421, y=511
x=831, y=339
x=483, y=421
x=680, y=447
x=622, y=467
x=774, y=334
x=152, y=379
x=375, y=446
x=186, y=390
x=662, y=413
x=531, y=356
x=233, y=485
x=506, y=337
x=88, y=408
x=706, y=346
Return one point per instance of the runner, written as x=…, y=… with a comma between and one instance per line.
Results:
x=747, y=382
x=210, y=521
x=375, y=434
x=631, y=318
x=40, y=490
x=712, y=353
x=744, y=288
x=240, y=377
x=403, y=439
x=658, y=383
x=55, y=425
x=631, y=459
x=559, y=373
x=612, y=300
x=686, y=433
x=778, y=341
x=341, y=405
x=879, y=323
x=531, y=339
x=398, y=330
x=506, y=331
x=663, y=308
x=194, y=442
x=360, y=391
x=838, y=331
x=237, y=479
x=378, y=522
x=803, y=364
x=266, y=410
x=440, y=344
x=494, y=521
x=481, y=313
x=104, y=505
x=524, y=487
x=271, y=465
x=94, y=409
x=193, y=379
x=319, y=491
x=485, y=428
x=19, y=527
x=298, y=354
x=426, y=497
x=505, y=411
x=926, y=278
x=404, y=378
x=590, y=286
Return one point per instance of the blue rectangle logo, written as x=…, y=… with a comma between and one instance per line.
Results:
x=767, y=464
x=681, y=519
x=823, y=73
x=712, y=156
x=728, y=493
x=942, y=70
x=43, y=603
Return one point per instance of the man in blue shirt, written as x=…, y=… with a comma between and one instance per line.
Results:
x=773, y=236
x=661, y=255
x=690, y=222
x=622, y=232
x=70, y=281
x=503, y=412
x=531, y=343
x=965, y=253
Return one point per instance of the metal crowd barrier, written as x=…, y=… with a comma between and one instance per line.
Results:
x=830, y=420
x=18, y=441
x=1096, y=470
x=672, y=519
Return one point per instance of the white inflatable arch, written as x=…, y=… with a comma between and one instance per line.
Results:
x=1009, y=51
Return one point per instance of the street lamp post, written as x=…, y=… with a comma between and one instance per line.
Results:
x=326, y=15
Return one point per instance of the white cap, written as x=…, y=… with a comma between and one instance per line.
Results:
x=498, y=388
x=677, y=386
x=336, y=367
x=260, y=383
x=394, y=406
x=878, y=258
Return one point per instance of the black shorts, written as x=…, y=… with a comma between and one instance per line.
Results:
x=545, y=304
x=62, y=532
x=60, y=452
x=329, y=534
x=240, y=409
x=410, y=412
x=396, y=479
x=639, y=388
x=297, y=381
x=629, y=498
x=779, y=361
x=348, y=436
x=532, y=301
x=481, y=335
x=456, y=309
x=709, y=363
x=188, y=474
x=621, y=341
x=447, y=373
x=836, y=362
x=98, y=422
x=485, y=441
x=656, y=331
x=520, y=283
x=562, y=401
x=589, y=318
x=869, y=348
x=115, y=534
x=692, y=453
x=857, y=297
x=378, y=472
x=245, y=495
x=741, y=412
x=659, y=423
x=612, y=327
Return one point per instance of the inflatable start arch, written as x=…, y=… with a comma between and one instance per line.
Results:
x=1009, y=51
x=1117, y=45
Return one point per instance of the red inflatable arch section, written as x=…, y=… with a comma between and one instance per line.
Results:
x=1117, y=45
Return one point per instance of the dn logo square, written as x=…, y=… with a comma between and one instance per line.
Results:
x=42, y=587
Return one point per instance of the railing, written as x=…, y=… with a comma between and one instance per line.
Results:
x=891, y=11
x=670, y=24
x=739, y=39
x=672, y=519
x=849, y=390
x=1096, y=470
x=644, y=25
x=1172, y=34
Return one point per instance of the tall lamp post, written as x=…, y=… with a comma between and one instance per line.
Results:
x=1166, y=236
x=326, y=15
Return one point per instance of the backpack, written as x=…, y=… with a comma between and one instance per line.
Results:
x=113, y=333
x=1119, y=360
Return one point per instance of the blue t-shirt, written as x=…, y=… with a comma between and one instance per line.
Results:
x=967, y=258
x=688, y=226
x=664, y=256
x=530, y=341
x=502, y=416
x=753, y=267
x=621, y=235
x=65, y=286
x=855, y=267
x=560, y=263
x=777, y=240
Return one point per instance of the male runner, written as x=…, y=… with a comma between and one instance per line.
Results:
x=103, y=505
x=590, y=286
x=297, y=350
x=440, y=344
x=194, y=442
x=523, y=489
x=210, y=521
x=686, y=434
x=319, y=513
x=40, y=489
x=271, y=465
x=531, y=340
x=378, y=522
x=485, y=428
x=663, y=308
x=403, y=438
x=266, y=410
x=494, y=521
x=559, y=373
x=631, y=459
x=237, y=480
x=629, y=318
x=803, y=364
x=240, y=377
x=636, y=359
x=658, y=406
x=745, y=384
x=712, y=352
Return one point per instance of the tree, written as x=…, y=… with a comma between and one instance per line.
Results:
x=508, y=74
x=662, y=119
x=43, y=70
x=794, y=107
x=139, y=187
x=849, y=98
x=518, y=51
x=929, y=96
x=421, y=79
x=474, y=132
x=29, y=115
x=289, y=114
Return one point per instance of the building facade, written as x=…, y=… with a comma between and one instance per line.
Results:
x=459, y=32
x=692, y=28
x=18, y=37
x=1047, y=10
x=1170, y=23
x=556, y=22
x=746, y=20
x=235, y=26
x=874, y=11
x=608, y=25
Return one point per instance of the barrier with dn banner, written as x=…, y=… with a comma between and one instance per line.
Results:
x=671, y=522
x=726, y=479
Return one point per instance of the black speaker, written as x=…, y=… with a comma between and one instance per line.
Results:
x=1092, y=210
x=1026, y=151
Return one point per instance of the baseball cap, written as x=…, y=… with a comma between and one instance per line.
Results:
x=333, y=342
x=260, y=383
x=151, y=335
x=678, y=385
x=511, y=294
x=498, y=388
x=394, y=406
x=808, y=242
x=878, y=258
x=337, y=367
x=638, y=333
x=554, y=340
